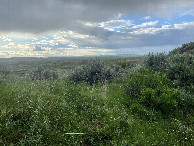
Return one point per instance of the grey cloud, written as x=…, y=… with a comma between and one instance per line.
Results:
x=38, y=16
x=174, y=36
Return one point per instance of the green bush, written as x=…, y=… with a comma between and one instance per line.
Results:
x=164, y=98
x=187, y=101
x=41, y=74
x=126, y=65
x=92, y=73
x=180, y=69
x=152, y=89
x=156, y=62
x=145, y=78
x=184, y=49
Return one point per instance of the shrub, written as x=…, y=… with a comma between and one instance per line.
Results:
x=126, y=65
x=141, y=111
x=187, y=101
x=164, y=98
x=180, y=69
x=152, y=89
x=41, y=74
x=156, y=62
x=184, y=49
x=145, y=78
x=92, y=73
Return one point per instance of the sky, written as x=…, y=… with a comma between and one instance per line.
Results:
x=47, y=28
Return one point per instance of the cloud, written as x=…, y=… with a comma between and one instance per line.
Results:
x=146, y=17
x=160, y=37
x=189, y=25
x=75, y=27
x=112, y=24
x=37, y=16
x=147, y=24
x=37, y=48
x=139, y=40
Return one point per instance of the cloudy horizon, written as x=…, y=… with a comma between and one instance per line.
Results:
x=45, y=28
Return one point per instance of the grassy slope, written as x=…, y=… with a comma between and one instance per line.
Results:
x=184, y=49
x=34, y=112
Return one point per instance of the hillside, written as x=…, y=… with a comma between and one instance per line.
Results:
x=187, y=48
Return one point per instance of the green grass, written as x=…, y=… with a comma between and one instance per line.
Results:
x=42, y=112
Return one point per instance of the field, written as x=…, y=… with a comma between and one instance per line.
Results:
x=107, y=100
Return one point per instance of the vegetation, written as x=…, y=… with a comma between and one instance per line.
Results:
x=156, y=62
x=184, y=49
x=178, y=66
x=92, y=73
x=108, y=101
x=41, y=74
x=152, y=90
x=180, y=70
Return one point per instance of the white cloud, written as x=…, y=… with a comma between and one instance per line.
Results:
x=147, y=24
x=118, y=16
x=167, y=26
x=184, y=25
x=73, y=45
x=146, y=17
x=112, y=24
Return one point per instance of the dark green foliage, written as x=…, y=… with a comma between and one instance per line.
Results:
x=156, y=62
x=92, y=73
x=41, y=74
x=180, y=69
x=185, y=49
x=163, y=98
x=152, y=89
x=187, y=101
x=126, y=65
x=145, y=78
x=49, y=75
x=141, y=111
x=178, y=65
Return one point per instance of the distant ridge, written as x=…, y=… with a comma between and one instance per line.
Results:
x=21, y=59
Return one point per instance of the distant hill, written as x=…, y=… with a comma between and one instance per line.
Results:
x=184, y=49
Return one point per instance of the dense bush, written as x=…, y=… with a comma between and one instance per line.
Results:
x=126, y=65
x=152, y=89
x=164, y=98
x=184, y=49
x=92, y=73
x=187, y=101
x=180, y=69
x=156, y=62
x=144, y=78
x=41, y=74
